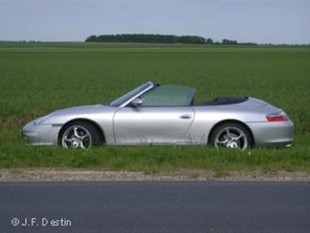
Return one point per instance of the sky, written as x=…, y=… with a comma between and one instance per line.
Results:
x=259, y=21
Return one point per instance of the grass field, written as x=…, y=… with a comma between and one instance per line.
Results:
x=37, y=78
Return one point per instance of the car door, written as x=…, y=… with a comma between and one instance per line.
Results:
x=152, y=125
x=161, y=116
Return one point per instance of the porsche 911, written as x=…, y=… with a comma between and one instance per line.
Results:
x=165, y=115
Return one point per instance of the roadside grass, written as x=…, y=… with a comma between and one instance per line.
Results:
x=37, y=78
x=159, y=159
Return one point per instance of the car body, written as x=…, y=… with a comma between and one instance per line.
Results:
x=165, y=114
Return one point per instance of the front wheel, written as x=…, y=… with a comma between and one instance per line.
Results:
x=231, y=135
x=79, y=134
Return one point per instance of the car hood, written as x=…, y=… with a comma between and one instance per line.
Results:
x=82, y=109
x=83, y=112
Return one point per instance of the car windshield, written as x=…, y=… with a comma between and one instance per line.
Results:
x=119, y=101
x=168, y=95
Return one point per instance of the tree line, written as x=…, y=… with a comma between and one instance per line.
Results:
x=157, y=38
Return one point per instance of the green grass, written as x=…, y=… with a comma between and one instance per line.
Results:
x=37, y=78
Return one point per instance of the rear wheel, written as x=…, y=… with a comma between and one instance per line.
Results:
x=79, y=134
x=231, y=135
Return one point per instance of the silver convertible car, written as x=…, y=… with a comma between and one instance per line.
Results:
x=165, y=114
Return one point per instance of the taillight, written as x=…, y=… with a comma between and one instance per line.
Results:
x=277, y=117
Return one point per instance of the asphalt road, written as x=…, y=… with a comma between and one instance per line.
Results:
x=155, y=207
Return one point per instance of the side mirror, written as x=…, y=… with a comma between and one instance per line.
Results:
x=137, y=102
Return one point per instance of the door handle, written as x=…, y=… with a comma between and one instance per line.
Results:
x=186, y=116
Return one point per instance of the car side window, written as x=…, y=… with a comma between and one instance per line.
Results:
x=168, y=95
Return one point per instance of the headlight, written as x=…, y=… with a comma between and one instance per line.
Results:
x=40, y=119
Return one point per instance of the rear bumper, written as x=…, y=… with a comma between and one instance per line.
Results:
x=272, y=134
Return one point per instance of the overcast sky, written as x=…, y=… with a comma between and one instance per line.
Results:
x=260, y=21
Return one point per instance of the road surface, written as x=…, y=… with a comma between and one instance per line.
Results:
x=85, y=207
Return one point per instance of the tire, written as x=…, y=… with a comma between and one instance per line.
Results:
x=79, y=134
x=231, y=135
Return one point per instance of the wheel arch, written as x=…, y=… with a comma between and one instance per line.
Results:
x=93, y=123
x=235, y=122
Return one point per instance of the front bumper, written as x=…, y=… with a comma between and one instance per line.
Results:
x=40, y=134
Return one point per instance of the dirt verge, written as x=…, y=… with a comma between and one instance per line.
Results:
x=58, y=175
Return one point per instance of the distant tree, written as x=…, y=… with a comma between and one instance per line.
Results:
x=158, y=38
x=209, y=41
x=92, y=38
x=147, y=38
x=249, y=43
x=192, y=40
x=229, y=42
